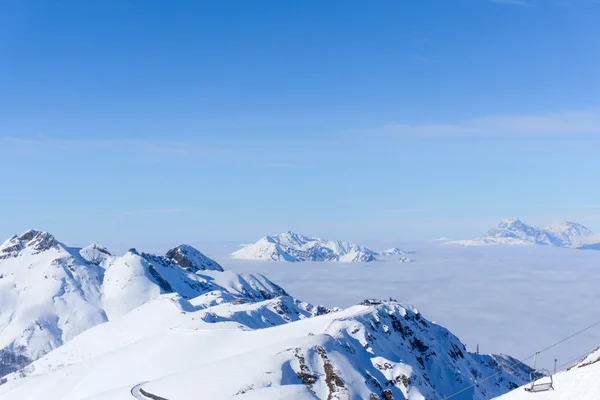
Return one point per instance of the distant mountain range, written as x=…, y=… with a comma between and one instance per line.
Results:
x=293, y=247
x=559, y=234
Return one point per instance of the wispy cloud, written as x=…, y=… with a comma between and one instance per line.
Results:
x=405, y=211
x=512, y=2
x=284, y=166
x=164, y=211
x=153, y=211
x=37, y=142
x=164, y=147
x=568, y=124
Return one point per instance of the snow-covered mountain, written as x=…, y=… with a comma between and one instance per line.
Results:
x=218, y=348
x=580, y=381
x=392, y=255
x=294, y=247
x=50, y=292
x=394, y=251
x=567, y=234
x=514, y=231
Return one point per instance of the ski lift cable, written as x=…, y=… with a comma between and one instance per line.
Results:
x=569, y=337
x=489, y=377
x=570, y=363
x=525, y=359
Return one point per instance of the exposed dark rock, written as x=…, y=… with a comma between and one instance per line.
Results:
x=36, y=240
x=191, y=259
x=332, y=379
x=305, y=375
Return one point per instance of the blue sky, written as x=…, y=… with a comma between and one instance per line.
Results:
x=151, y=121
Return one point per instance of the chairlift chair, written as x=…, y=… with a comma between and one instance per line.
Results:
x=540, y=379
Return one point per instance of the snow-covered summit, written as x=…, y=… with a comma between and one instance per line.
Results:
x=514, y=228
x=95, y=253
x=568, y=234
x=514, y=231
x=29, y=242
x=394, y=251
x=293, y=247
x=191, y=259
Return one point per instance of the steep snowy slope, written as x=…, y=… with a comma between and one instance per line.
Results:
x=567, y=234
x=581, y=381
x=191, y=259
x=592, y=242
x=514, y=231
x=293, y=247
x=48, y=295
x=514, y=228
x=281, y=348
x=49, y=292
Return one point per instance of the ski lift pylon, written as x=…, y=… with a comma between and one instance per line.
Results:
x=540, y=379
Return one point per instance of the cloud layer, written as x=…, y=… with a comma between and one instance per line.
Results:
x=569, y=124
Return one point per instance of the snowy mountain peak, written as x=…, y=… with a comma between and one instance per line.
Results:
x=511, y=222
x=568, y=234
x=191, y=259
x=514, y=231
x=95, y=253
x=100, y=247
x=394, y=251
x=293, y=247
x=31, y=242
x=291, y=238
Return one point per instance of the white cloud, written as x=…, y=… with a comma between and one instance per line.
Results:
x=405, y=210
x=511, y=2
x=159, y=147
x=154, y=211
x=566, y=124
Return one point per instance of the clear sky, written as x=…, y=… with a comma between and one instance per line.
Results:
x=130, y=121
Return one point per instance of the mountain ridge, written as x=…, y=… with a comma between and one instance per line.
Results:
x=293, y=247
x=270, y=349
x=513, y=231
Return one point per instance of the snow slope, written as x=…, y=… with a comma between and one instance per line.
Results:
x=567, y=234
x=580, y=381
x=209, y=347
x=515, y=232
x=50, y=292
x=293, y=247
